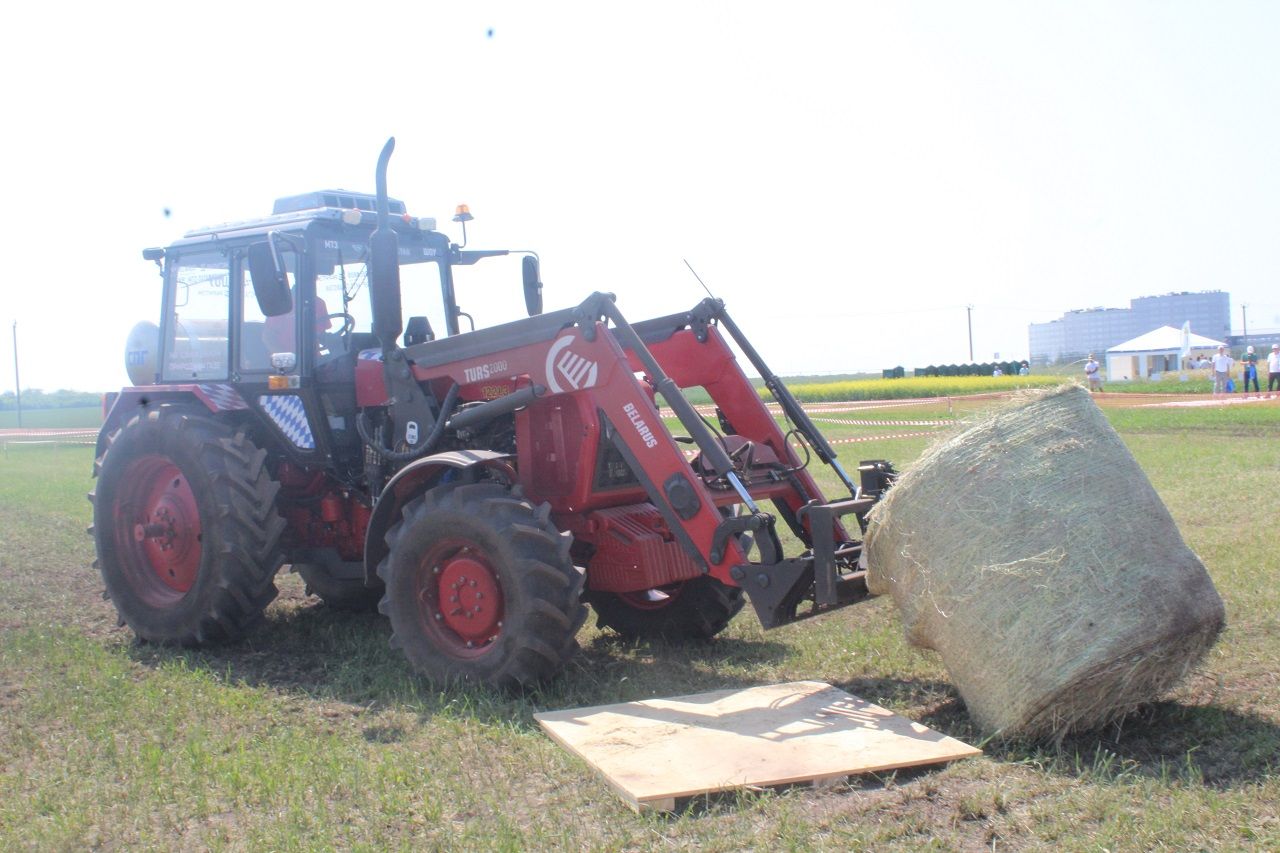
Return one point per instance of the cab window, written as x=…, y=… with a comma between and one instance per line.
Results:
x=196, y=341
x=342, y=283
x=342, y=289
x=261, y=336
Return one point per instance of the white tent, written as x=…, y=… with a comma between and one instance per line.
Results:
x=1159, y=350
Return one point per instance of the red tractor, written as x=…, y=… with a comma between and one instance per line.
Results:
x=481, y=488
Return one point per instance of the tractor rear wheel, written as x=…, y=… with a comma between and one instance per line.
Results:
x=186, y=528
x=480, y=587
x=695, y=609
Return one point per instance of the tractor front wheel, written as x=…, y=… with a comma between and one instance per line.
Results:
x=695, y=609
x=480, y=587
x=186, y=528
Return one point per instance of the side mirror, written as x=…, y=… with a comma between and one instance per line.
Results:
x=270, y=282
x=532, y=285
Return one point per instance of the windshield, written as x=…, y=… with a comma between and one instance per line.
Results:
x=342, y=283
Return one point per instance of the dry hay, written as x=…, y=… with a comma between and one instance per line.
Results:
x=1032, y=553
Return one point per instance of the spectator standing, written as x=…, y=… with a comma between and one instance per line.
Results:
x=1221, y=370
x=1249, y=369
x=997, y=371
x=1091, y=372
x=1273, y=368
x=1024, y=370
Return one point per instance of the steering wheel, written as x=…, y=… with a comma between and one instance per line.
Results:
x=348, y=322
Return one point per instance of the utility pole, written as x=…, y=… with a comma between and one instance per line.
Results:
x=17, y=386
x=1244, y=310
x=969, y=310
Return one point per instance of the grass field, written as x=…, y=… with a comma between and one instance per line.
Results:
x=312, y=734
x=72, y=418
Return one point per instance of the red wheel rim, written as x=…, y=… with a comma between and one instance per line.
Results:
x=158, y=533
x=460, y=597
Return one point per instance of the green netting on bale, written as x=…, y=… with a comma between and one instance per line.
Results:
x=1031, y=552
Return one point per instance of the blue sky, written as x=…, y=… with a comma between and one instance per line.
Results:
x=847, y=176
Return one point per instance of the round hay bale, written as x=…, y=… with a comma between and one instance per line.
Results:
x=1031, y=552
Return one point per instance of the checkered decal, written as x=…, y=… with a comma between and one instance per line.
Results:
x=221, y=398
x=289, y=414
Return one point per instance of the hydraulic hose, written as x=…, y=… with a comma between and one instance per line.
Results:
x=433, y=438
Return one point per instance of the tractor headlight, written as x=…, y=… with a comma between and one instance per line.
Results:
x=283, y=362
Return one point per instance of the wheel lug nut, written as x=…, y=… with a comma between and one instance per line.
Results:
x=473, y=583
x=439, y=616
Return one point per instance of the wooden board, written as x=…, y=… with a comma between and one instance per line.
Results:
x=658, y=750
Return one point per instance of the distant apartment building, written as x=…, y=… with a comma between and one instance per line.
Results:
x=1092, y=330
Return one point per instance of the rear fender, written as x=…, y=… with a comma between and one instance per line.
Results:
x=122, y=407
x=414, y=479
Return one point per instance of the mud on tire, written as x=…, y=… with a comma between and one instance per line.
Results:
x=480, y=587
x=186, y=529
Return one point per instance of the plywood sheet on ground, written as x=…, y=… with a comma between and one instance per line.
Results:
x=658, y=750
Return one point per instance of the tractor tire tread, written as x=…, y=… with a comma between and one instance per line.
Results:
x=241, y=535
x=543, y=611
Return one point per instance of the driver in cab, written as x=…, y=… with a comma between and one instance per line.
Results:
x=279, y=332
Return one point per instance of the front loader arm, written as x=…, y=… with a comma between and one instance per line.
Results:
x=691, y=347
x=701, y=357
x=631, y=422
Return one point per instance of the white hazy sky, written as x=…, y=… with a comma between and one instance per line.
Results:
x=847, y=176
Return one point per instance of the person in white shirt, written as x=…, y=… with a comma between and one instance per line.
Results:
x=1221, y=370
x=1091, y=372
x=1273, y=368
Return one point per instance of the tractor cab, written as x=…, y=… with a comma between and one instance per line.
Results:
x=221, y=323
x=276, y=312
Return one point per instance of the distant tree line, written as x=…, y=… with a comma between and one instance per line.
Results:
x=34, y=398
x=1008, y=368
